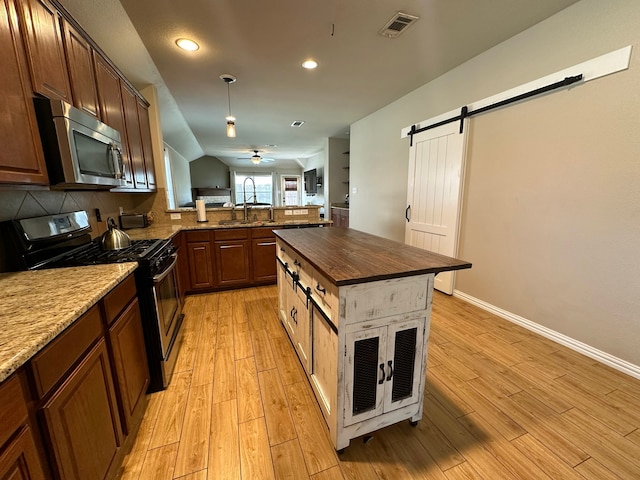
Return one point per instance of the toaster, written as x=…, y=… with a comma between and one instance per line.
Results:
x=133, y=220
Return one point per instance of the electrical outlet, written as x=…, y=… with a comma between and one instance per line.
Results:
x=288, y=212
x=304, y=211
x=176, y=216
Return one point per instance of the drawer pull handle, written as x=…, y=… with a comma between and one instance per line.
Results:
x=282, y=249
x=267, y=244
x=222, y=247
x=297, y=263
x=381, y=381
x=320, y=289
x=390, y=376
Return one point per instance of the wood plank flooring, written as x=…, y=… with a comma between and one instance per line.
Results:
x=501, y=403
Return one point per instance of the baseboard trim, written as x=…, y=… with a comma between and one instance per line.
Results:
x=591, y=352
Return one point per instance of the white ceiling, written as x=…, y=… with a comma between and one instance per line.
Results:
x=263, y=44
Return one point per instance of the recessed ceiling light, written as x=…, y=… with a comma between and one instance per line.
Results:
x=297, y=123
x=309, y=64
x=186, y=44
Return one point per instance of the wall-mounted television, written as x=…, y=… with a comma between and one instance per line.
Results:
x=311, y=181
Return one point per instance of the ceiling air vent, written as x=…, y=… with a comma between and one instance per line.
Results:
x=297, y=123
x=398, y=24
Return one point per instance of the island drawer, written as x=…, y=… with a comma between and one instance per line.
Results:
x=385, y=298
x=325, y=294
x=53, y=361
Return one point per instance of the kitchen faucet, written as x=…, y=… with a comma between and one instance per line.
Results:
x=244, y=197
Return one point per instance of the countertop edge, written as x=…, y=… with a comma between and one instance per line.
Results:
x=36, y=343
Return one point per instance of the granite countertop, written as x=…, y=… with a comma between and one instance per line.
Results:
x=37, y=305
x=168, y=231
x=347, y=256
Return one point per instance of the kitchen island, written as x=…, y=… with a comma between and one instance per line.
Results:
x=357, y=309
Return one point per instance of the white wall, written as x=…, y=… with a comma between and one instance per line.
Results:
x=181, y=177
x=551, y=216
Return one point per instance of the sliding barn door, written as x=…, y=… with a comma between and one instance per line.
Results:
x=434, y=194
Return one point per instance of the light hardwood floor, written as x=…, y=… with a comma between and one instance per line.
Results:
x=501, y=403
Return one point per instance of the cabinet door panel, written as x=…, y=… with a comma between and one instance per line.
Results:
x=365, y=374
x=130, y=364
x=45, y=50
x=264, y=259
x=406, y=357
x=81, y=71
x=82, y=419
x=19, y=460
x=200, y=265
x=111, y=111
x=130, y=108
x=147, y=147
x=21, y=157
x=232, y=262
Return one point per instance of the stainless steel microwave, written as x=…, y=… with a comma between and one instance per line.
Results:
x=81, y=152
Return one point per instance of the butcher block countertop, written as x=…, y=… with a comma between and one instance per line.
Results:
x=347, y=256
x=37, y=305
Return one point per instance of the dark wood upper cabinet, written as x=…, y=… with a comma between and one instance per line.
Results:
x=81, y=71
x=45, y=49
x=21, y=155
x=111, y=110
x=147, y=147
x=132, y=122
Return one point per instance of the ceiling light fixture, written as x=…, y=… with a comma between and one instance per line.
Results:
x=256, y=158
x=309, y=64
x=186, y=44
x=231, y=120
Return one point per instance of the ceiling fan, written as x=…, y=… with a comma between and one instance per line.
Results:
x=256, y=159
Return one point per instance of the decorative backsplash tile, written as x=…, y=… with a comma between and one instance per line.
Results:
x=16, y=204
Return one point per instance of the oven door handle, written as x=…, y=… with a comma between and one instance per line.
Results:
x=167, y=271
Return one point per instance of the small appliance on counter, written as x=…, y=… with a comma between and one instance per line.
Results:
x=134, y=220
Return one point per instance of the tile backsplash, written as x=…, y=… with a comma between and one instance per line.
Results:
x=16, y=204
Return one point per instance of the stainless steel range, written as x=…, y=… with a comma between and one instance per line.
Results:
x=63, y=240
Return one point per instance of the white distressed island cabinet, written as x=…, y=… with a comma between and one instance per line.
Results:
x=357, y=309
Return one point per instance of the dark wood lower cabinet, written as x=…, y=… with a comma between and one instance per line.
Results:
x=263, y=253
x=232, y=262
x=19, y=455
x=20, y=461
x=82, y=419
x=130, y=365
x=200, y=265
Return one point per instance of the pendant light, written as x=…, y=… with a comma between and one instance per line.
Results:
x=231, y=120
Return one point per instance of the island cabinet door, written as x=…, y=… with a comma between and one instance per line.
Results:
x=384, y=369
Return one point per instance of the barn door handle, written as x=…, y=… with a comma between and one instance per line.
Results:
x=406, y=213
x=390, y=376
x=381, y=381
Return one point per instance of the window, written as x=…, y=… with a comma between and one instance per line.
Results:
x=264, y=188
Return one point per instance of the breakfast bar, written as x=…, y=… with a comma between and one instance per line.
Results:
x=357, y=309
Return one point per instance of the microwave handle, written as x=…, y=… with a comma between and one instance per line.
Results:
x=118, y=164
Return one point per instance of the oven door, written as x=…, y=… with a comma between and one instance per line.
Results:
x=168, y=306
